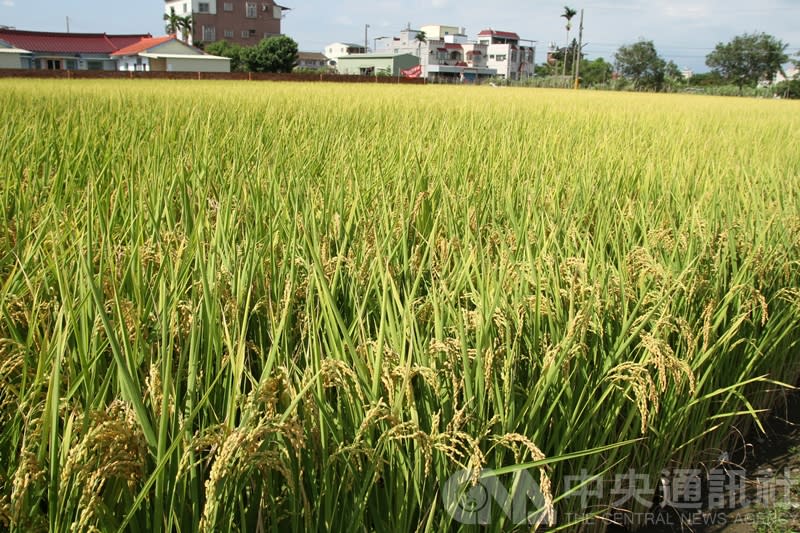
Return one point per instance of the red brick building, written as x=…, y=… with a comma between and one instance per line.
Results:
x=243, y=22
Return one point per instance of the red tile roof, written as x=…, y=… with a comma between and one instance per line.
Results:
x=493, y=33
x=453, y=46
x=144, y=44
x=69, y=43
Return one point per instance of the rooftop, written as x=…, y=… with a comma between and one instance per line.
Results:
x=143, y=45
x=69, y=43
x=494, y=33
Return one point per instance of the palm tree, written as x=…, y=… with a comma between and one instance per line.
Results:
x=185, y=25
x=173, y=22
x=568, y=14
x=420, y=38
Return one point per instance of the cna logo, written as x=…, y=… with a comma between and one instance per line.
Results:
x=520, y=500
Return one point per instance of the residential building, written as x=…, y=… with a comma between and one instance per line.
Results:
x=336, y=50
x=168, y=54
x=511, y=60
x=687, y=73
x=244, y=22
x=446, y=55
x=791, y=73
x=376, y=64
x=68, y=51
x=100, y=51
x=312, y=61
x=439, y=32
x=11, y=57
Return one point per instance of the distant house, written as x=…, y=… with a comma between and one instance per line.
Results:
x=100, y=51
x=446, y=55
x=236, y=21
x=168, y=54
x=334, y=51
x=376, y=64
x=68, y=51
x=312, y=60
x=11, y=57
x=511, y=60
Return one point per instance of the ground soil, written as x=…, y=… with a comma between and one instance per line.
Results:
x=778, y=450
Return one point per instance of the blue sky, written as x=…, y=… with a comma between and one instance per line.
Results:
x=684, y=31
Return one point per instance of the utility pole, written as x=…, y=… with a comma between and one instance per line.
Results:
x=366, y=39
x=67, y=24
x=579, y=54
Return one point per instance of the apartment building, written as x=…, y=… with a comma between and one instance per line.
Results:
x=243, y=22
x=505, y=54
x=445, y=53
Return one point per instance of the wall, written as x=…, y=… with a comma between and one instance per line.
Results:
x=197, y=65
x=8, y=60
x=230, y=76
x=265, y=24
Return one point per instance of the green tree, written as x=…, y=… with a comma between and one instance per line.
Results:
x=568, y=14
x=229, y=50
x=274, y=54
x=707, y=79
x=673, y=77
x=173, y=22
x=185, y=25
x=421, y=38
x=596, y=72
x=641, y=64
x=788, y=89
x=565, y=58
x=748, y=59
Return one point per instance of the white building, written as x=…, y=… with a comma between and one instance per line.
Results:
x=511, y=60
x=336, y=50
x=445, y=54
x=168, y=54
x=11, y=57
x=439, y=32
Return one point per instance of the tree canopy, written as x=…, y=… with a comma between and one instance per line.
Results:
x=748, y=59
x=235, y=52
x=641, y=64
x=274, y=54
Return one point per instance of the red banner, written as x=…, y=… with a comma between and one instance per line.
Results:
x=413, y=72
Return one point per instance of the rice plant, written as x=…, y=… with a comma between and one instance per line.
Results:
x=247, y=307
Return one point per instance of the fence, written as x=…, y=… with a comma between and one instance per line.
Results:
x=236, y=76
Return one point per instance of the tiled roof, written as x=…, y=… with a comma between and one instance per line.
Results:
x=69, y=43
x=311, y=56
x=506, y=34
x=143, y=45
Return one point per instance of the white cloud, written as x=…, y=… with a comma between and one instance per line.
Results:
x=343, y=20
x=8, y=3
x=440, y=3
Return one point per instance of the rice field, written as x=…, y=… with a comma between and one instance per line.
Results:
x=232, y=306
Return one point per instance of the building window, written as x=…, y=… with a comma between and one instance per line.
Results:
x=94, y=65
x=252, y=10
x=276, y=12
x=501, y=57
x=53, y=64
x=229, y=34
x=209, y=34
x=245, y=34
x=227, y=6
x=202, y=7
x=185, y=8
